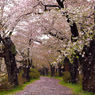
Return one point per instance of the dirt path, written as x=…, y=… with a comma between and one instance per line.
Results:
x=45, y=86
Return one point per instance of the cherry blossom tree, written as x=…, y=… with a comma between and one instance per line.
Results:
x=82, y=13
x=45, y=32
x=11, y=12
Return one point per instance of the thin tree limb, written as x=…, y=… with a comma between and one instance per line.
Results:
x=46, y=5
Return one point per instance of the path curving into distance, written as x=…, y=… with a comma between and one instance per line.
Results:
x=45, y=86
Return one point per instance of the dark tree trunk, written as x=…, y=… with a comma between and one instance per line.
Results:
x=12, y=70
x=74, y=30
x=46, y=71
x=52, y=70
x=66, y=64
x=88, y=69
x=60, y=71
x=94, y=14
x=75, y=71
x=9, y=53
x=0, y=63
x=43, y=71
x=60, y=3
x=72, y=68
x=40, y=71
x=88, y=82
x=56, y=70
x=26, y=69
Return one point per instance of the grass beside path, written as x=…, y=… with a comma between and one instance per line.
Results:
x=18, y=88
x=76, y=88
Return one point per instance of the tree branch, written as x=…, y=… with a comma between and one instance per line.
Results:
x=1, y=39
x=3, y=75
x=36, y=40
x=55, y=35
x=46, y=5
x=18, y=19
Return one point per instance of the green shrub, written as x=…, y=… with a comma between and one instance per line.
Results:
x=20, y=79
x=5, y=85
x=34, y=74
x=67, y=77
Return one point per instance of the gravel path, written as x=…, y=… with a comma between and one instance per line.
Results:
x=45, y=86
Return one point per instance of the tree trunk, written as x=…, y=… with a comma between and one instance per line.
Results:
x=88, y=82
x=0, y=63
x=26, y=69
x=88, y=67
x=46, y=71
x=60, y=3
x=72, y=68
x=60, y=71
x=94, y=14
x=52, y=70
x=43, y=71
x=9, y=57
x=75, y=72
x=12, y=70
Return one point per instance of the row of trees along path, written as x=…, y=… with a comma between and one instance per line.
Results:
x=9, y=53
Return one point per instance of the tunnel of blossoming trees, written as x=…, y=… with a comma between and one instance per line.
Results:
x=48, y=38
